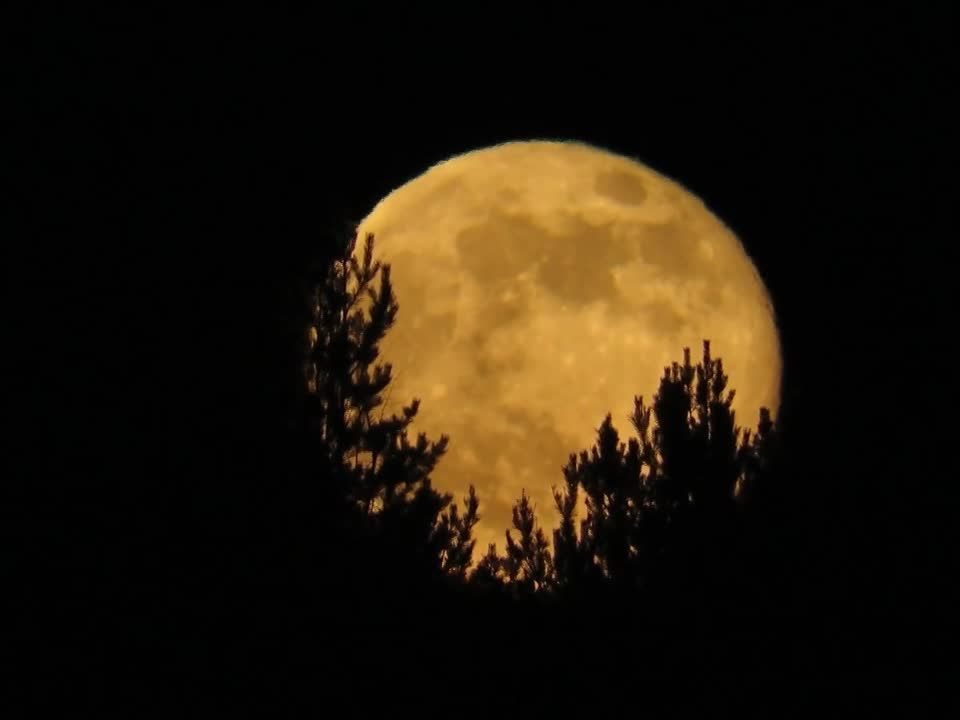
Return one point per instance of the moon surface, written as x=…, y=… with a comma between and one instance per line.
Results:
x=543, y=285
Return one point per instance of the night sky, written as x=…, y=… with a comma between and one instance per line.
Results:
x=174, y=175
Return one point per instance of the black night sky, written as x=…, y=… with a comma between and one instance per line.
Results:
x=175, y=175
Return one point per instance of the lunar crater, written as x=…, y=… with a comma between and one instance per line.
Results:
x=621, y=187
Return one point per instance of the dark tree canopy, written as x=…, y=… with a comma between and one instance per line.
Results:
x=375, y=467
x=666, y=500
x=527, y=565
x=661, y=500
x=651, y=527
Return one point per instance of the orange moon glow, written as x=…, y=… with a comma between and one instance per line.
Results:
x=543, y=285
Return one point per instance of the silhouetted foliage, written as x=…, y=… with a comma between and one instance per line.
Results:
x=660, y=505
x=527, y=566
x=527, y=563
x=379, y=472
x=454, y=535
x=760, y=452
x=663, y=503
x=649, y=526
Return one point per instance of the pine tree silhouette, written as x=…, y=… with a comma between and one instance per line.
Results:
x=662, y=507
x=657, y=540
x=700, y=460
x=611, y=539
x=454, y=535
x=527, y=566
x=380, y=475
x=528, y=563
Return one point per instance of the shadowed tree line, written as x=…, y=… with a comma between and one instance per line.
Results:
x=661, y=513
x=335, y=567
x=380, y=474
x=666, y=557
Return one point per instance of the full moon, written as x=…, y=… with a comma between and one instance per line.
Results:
x=543, y=285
